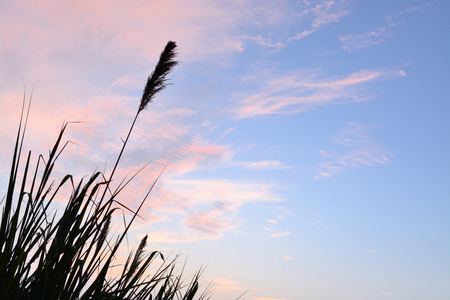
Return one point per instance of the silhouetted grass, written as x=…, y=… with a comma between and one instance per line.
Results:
x=71, y=254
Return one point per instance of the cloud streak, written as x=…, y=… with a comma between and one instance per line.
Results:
x=306, y=17
x=299, y=91
x=353, y=42
x=209, y=208
x=322, y=12
x=277, y=234
x=364, y=151
x=259, y=165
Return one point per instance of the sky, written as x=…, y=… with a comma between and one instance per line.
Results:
x=307, y=142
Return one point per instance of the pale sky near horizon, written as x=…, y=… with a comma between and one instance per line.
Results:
x=307, y=141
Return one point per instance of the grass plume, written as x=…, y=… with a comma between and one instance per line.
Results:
x=157, y=81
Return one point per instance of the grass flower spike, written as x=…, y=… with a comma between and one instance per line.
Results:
x=157, y=80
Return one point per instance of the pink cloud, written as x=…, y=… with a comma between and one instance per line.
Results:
x=300, y=91
x=201, y=209
x=198, y=154
x=207, y=208
x=164, y=236
x=86, y=38
x=277, y=234
x=207, y=224
x=74, y=51
x=234, y=192
x=230, y=288
x=225, y=283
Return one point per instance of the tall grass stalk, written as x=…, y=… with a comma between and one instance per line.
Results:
x=72, y=254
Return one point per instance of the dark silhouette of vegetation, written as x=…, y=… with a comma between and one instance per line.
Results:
x=71, y=254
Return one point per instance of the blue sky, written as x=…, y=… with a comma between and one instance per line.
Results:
x=307, y=141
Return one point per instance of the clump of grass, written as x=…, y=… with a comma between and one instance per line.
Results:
x=70, y=254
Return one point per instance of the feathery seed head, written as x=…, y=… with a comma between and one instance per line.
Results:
x=137, y=257
x=157, y=80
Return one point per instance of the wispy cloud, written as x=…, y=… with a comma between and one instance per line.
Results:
x=277, y=234
x=228, y=287
x=353, y=42
x=322, y=12
x=306, y=17
x=287, y=212
x=299, y=91
x=208, y=224
x=165, y=236
x=258, y=165
x=208, y=208
x=269, y=42
x=228, y=131
x=224, y=284
x=199, y=208
x=285, y=257
x=364, y=151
